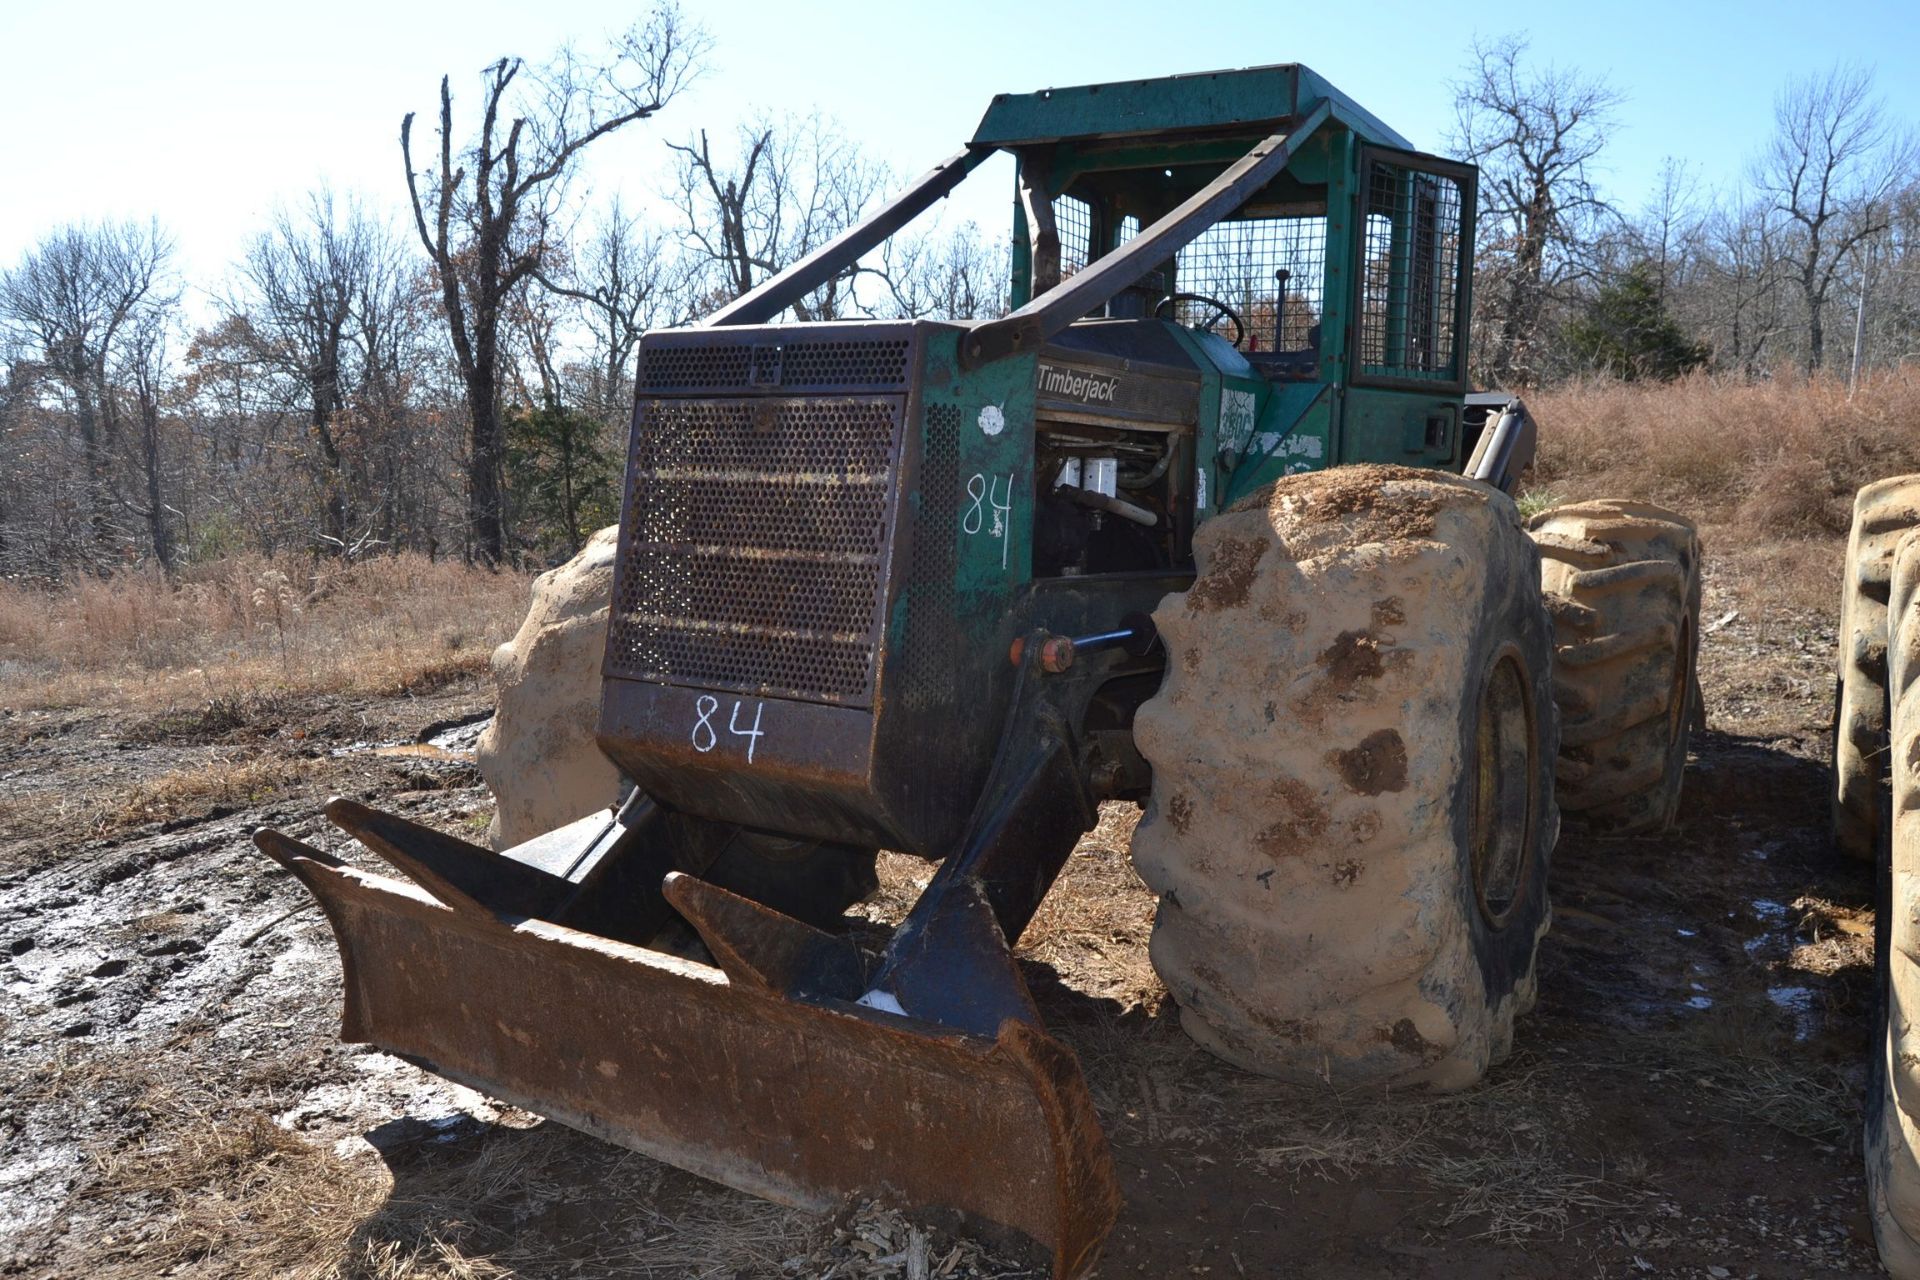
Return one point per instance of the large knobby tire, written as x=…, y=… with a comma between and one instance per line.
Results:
x=1892, y=1139
x=545, y=769
x=538, y=756
x=1622, y=584
x=1882, y=512
x=1352, y=805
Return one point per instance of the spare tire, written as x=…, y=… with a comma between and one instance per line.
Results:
x=1882, y=512
x=1352, y=803
x=1622, y=583
x=1892, y=1138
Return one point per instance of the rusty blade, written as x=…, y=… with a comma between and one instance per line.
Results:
x=805, y=1103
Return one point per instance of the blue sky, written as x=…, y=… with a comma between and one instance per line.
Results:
x=208, y=114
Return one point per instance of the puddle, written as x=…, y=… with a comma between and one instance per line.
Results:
x=1767, y=911
x=422, y=751
x=1797, y=1001
x=454, y=744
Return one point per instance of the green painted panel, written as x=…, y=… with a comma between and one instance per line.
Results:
x=1407, y=427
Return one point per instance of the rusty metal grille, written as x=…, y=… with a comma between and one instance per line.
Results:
x=793, y=365
x=756, y=545
x=932, y=655
x=1410, y=273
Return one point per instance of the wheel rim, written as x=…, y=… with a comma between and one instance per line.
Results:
x=1505, y=789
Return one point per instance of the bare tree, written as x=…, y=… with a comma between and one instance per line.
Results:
x=1741, y=284
x=1535, y=135
x=146, y=377
x=312, y=290
x=793, y=186
x=625, y=281
x=487, y=212
x=74, y=304
x=959, y=274
x=1832, y=168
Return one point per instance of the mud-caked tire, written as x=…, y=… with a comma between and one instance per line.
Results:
x=1352, y=804
x=1622, y=584
x=538, y=756
x=1892, y=1137
x=1882, y=513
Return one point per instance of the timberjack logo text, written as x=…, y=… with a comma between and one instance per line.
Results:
x=1089, y=388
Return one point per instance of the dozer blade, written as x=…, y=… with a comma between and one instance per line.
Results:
x=746, y=1076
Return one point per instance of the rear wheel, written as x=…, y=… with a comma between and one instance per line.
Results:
x=1622, y=582
x=1352, y=805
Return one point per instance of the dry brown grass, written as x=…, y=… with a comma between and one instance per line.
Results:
x=182, y=792
x=248, y=627
x=1768, y=459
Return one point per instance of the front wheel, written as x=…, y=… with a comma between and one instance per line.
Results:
x=1352, y=807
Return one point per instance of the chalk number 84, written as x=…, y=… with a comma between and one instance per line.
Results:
x=706, y=737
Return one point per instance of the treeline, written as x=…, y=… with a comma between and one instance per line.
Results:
x=460, y=384
x=1807, y=262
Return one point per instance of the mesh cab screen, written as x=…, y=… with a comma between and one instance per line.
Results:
x=755, y=544
x=1410, y=273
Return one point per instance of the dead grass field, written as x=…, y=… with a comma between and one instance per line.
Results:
x=168, y=1035
x=230, y=637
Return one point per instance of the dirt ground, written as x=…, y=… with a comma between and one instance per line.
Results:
x=1684, y=1101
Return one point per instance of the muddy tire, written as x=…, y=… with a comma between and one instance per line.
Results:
x=1622, y=584
x=1352, y=804
x=1892, y=1138
x=1882, y=512
x=538, y=756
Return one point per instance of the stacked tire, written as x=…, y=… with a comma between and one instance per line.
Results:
x=1883, y=513
x=1877, y=799
x=1622, y=582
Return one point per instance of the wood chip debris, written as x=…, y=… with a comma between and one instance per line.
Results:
x=875, y=1242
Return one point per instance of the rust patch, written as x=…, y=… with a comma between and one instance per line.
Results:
x=1229, y=576
x=1346, y=871
x=1305, y=821
x=1353, y=656
x=1179, y=812
x=1388, y=613
x=1190, y=660
x=1378, y=764
x=1363, y=827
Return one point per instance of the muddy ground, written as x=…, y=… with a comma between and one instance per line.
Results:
x=1684, y=1101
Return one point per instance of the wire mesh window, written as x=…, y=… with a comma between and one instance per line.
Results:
x=1270, y=270
x=1073, y=220
x=1410, y=273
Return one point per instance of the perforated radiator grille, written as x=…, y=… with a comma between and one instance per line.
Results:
x=756, y=546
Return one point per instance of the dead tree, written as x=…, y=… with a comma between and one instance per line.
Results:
x=1831, y=169
x=1533, y=134
x=486, y=211
x=73, y=303
x=311, y=293
x=625, y=282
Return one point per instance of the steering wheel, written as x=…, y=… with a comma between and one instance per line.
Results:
x=1220, y=311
